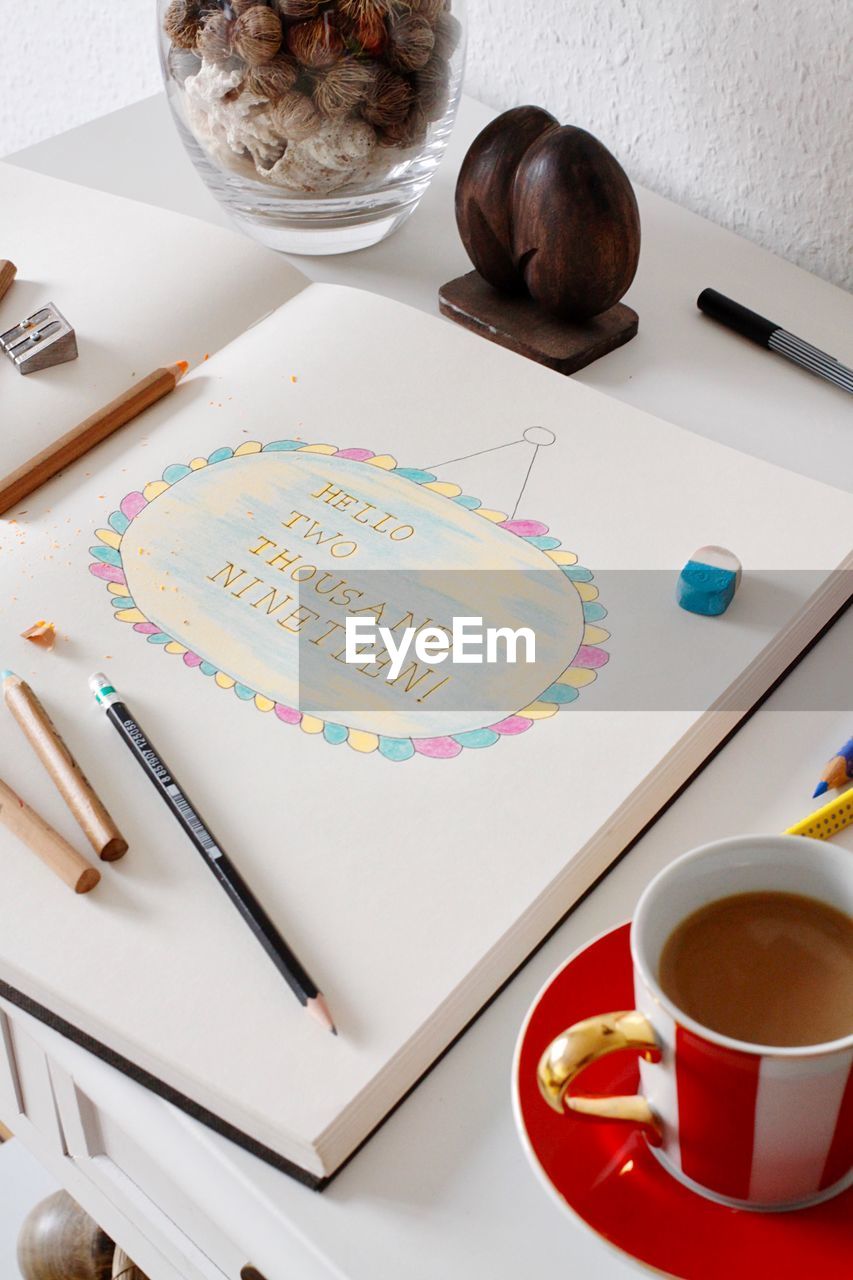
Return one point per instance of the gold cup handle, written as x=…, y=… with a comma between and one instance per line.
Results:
x=585, y=1042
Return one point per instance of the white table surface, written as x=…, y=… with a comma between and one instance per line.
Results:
x=443, y=1189
x=681, y=366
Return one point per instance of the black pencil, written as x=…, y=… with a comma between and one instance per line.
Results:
x=301, y=984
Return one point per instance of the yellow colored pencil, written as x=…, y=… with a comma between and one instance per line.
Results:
x=828, y=820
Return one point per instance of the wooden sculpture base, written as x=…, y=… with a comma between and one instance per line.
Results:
x=519, y=324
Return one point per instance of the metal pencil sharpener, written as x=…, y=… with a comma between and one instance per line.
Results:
x=41, y=341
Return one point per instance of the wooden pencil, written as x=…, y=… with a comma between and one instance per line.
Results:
x=64, y=771
x=47, y=844
x=87, y=434
x=8, y=271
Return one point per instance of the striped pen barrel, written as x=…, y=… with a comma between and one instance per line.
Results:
x=772, y=336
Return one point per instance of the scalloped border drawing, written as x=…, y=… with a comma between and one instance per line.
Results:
x=107, y=566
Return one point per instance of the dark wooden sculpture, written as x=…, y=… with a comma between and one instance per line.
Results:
x=484, y=190
x=549, y=220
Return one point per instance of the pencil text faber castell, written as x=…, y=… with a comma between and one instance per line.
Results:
x=229, y=878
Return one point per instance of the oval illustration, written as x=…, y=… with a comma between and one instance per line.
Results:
x=247, y=564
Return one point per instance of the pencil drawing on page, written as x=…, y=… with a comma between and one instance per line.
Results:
x=246, y=564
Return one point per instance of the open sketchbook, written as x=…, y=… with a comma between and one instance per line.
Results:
x=128, y=278
x=414, y=839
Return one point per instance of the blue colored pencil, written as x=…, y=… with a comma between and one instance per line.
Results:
x=839, y=771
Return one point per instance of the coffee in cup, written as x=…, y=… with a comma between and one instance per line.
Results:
x=766, y=967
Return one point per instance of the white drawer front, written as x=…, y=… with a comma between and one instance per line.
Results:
x=141, y=1186
x=11, y=1101
x=31, y=1077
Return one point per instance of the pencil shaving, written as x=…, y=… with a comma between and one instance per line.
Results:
x=42, y=634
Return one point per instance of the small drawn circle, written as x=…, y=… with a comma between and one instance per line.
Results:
x=538, y=435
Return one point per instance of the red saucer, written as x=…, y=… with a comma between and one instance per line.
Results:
x=604, y=1171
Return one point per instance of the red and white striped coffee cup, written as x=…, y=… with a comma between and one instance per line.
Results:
x=749, y=1125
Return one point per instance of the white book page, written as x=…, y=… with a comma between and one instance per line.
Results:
x=141, y=287
x=409, y=889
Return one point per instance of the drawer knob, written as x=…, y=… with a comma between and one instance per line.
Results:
x=59, y=1240
x=124, y=1268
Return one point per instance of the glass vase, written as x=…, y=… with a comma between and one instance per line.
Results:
x=317, y=124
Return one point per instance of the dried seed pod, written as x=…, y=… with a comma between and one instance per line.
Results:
x=432, y=87
x=317, y=43
x=295, y=117
x=429, y=9
x=409, y=132
x=365, y=22
x=273, y=80
x=448, y=34
x=410, y=42
x=214, y=39
x=257, y=35
x=182, y=22
x=364, y=27
x=356, y=10
x=343, y=87
x=390, y=101
x=299, y=9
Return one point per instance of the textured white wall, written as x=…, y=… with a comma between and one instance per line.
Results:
x=738, y=109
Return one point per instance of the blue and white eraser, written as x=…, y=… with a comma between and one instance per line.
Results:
x=708, y=582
